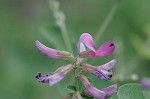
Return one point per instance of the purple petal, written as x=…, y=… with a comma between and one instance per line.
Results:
x=42, y=78
x=81, y=47
x=94, y=92
x=51, y=53
x=110, y=90
x=105, y=49
x=107, y=66
x=102, y=74
x=88, y=41
x=146, y=83
x=52, y=79
x=91, y=90
x=84, y=80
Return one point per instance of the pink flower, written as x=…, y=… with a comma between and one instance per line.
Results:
x=52, y=79
x=103, y=72
x=90, y=90
x=105, y=49
x=51, y=53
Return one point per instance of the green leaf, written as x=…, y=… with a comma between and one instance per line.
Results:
x=72, y=87
x=130, y=91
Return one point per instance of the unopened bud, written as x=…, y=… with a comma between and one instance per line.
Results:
x=87, y=54
x=83, y=54
x=87, y=66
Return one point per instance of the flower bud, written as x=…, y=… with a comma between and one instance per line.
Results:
x=51, y=53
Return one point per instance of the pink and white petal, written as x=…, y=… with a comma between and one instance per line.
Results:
x=110, y=90
x=105, y=49
x=107, y=66
x=51, y=53
x=80, y=47
x=88, y=41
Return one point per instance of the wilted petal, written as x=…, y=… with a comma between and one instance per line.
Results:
x=52, y=79
x=51, y=53
x=91, y=90
x=80, y=47
x=88, y=41
x=105, y=49
x=146, y=83
x=110, y=90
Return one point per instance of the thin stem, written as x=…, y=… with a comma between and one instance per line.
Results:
x=76, y=78
x=75, y=73
x=66, y=38
x=106, y=21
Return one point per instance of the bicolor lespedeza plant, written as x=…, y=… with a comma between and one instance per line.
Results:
x=104, y=72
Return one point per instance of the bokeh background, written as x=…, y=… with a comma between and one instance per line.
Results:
x=126, y=22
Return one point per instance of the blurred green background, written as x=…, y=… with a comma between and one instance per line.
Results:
x=126, y=22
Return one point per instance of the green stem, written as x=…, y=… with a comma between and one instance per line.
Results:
x=66, y=38
x=106, y=21
x=76, y=74
x=76, y=78
x=60, y=21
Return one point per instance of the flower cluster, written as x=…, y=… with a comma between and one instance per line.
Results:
x=103, y=72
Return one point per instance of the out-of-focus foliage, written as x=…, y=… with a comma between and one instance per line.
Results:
x=24, y=21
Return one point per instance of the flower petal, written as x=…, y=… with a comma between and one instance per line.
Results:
x=110, y=90
x=88, y=41
x=91, y=90
x=102, y=74
x=105, y=49
x=80, y=47
x=52, y=79
x=107, y=66
x=42, y=78
x=51, y=53
x=145, y=82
